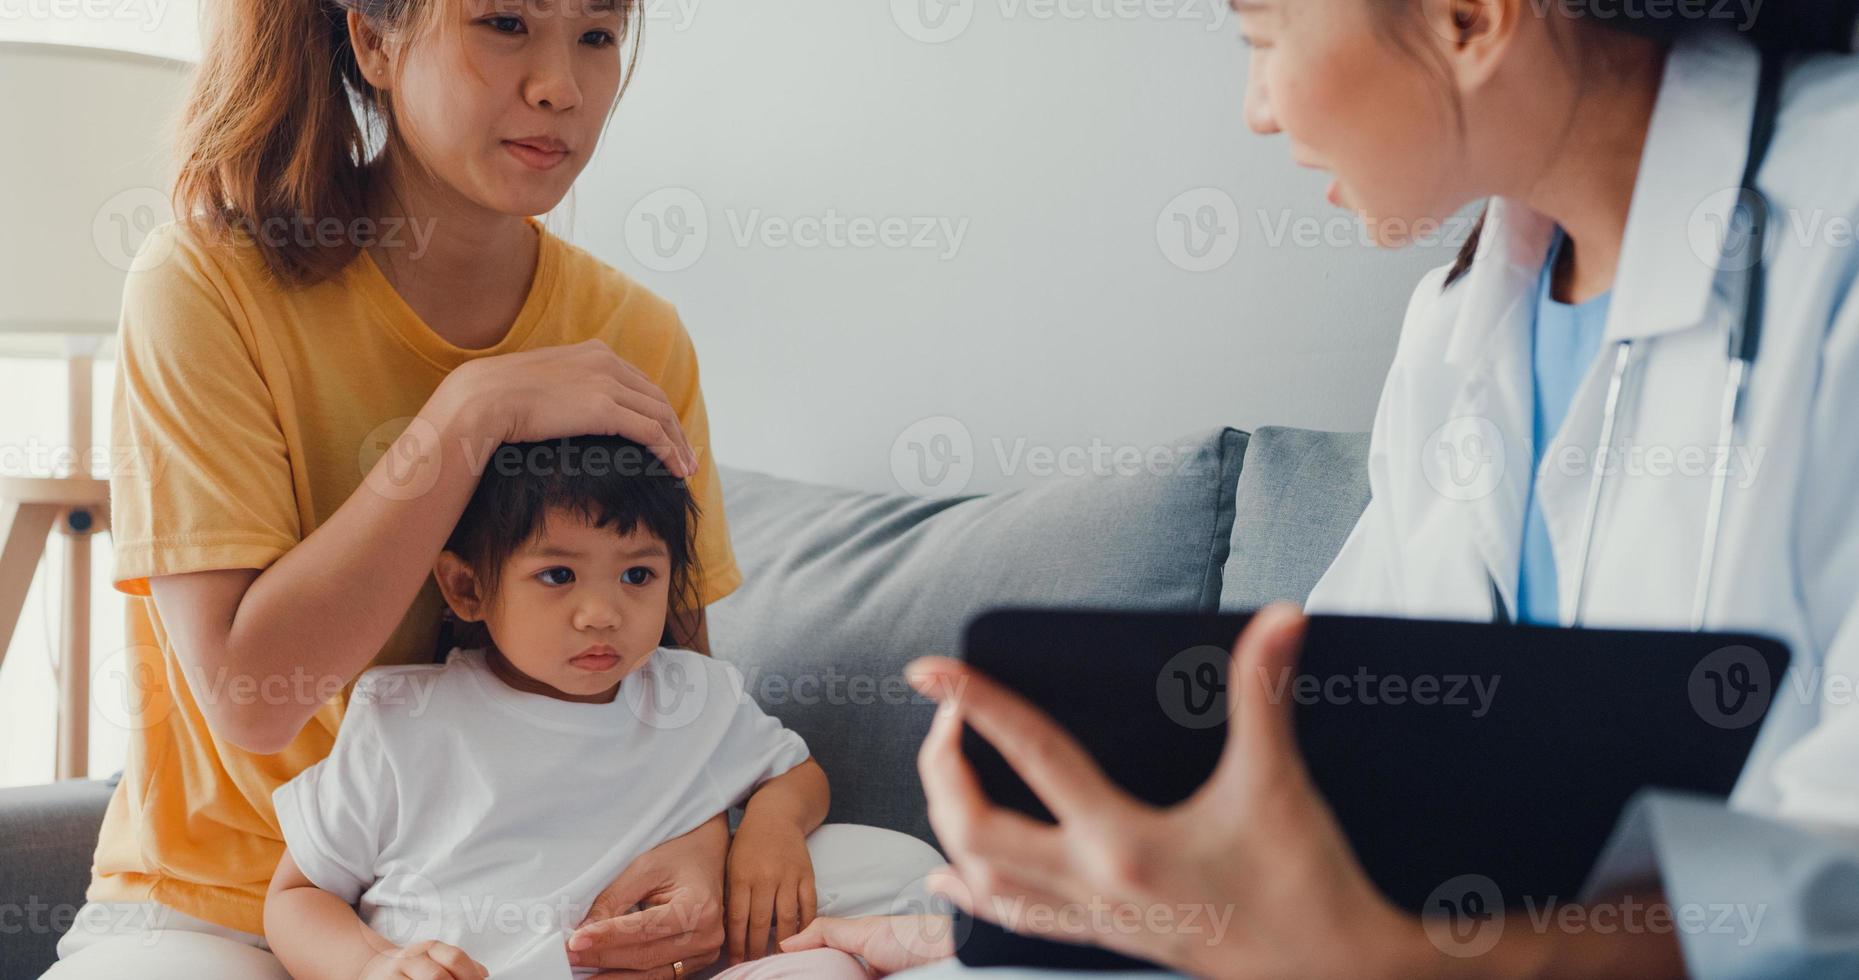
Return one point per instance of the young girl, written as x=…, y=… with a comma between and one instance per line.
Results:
x=455, y=806
x=313, y=363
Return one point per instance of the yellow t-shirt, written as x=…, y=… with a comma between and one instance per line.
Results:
x=245, y=414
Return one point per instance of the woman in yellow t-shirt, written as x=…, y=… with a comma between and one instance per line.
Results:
x=354, y=310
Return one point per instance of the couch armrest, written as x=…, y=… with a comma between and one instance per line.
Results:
x=47, y=836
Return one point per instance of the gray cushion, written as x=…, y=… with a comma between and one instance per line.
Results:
x=842, y=589
x=1298, y=499
x=47, y=836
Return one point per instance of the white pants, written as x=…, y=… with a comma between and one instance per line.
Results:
x=857, y=870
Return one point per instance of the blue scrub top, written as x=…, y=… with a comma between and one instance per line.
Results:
x=1567, y=338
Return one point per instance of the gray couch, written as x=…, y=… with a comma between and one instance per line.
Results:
x=842, y=588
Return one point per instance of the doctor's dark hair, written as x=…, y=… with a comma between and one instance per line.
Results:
x=281, y=135
x=606, y=481
x=1594, y=33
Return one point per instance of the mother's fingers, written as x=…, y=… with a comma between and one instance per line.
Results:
x=1043, y=753
x=645, y=956
x=667, y=443
x=660, y=430
x=648, y=938
x=622, y=368
x=631, y=389
x=690, y=964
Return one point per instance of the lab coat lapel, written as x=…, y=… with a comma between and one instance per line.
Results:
x=1696, y=145
x=1491, y=344
x=1667, y=282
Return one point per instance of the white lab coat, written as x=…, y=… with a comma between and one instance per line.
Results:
x=1449, y=459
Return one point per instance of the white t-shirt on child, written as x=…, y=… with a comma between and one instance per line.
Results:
x=457, y=808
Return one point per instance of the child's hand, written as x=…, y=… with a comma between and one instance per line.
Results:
x=426, y=960
x=769, y=882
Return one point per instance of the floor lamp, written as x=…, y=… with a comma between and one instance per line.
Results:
x=85, y=180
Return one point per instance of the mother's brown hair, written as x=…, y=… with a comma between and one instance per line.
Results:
x=269, y=138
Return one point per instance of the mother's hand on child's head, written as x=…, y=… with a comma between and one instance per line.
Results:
x=679, y=888
x=562, y=391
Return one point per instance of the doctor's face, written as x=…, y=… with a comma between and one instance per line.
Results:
x=1350, y=86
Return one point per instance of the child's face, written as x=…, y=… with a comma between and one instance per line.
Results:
x=580, y=607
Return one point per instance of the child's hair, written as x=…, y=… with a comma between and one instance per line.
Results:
x=608, y=481
x=281, y=132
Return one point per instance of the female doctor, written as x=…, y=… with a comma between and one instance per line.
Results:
x=1549, y=446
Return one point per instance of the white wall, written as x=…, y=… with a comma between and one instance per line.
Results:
x=1058, y=144
x=1054, y=135
x=169, y=28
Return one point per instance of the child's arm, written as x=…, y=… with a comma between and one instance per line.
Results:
x=318, y=936
x=799, y=798
x=770, y=874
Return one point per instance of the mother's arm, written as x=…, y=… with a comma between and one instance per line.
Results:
x=328, y=604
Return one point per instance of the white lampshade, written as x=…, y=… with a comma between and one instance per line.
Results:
x=85, y=176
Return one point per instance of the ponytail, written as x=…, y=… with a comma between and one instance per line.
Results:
x=1463, y=263
x=269, y=142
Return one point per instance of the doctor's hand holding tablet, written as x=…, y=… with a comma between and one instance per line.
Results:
x=1628, y=405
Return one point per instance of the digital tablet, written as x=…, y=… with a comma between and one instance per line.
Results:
x=1445, y=749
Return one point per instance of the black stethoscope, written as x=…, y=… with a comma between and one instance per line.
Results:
x=1744, y=239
